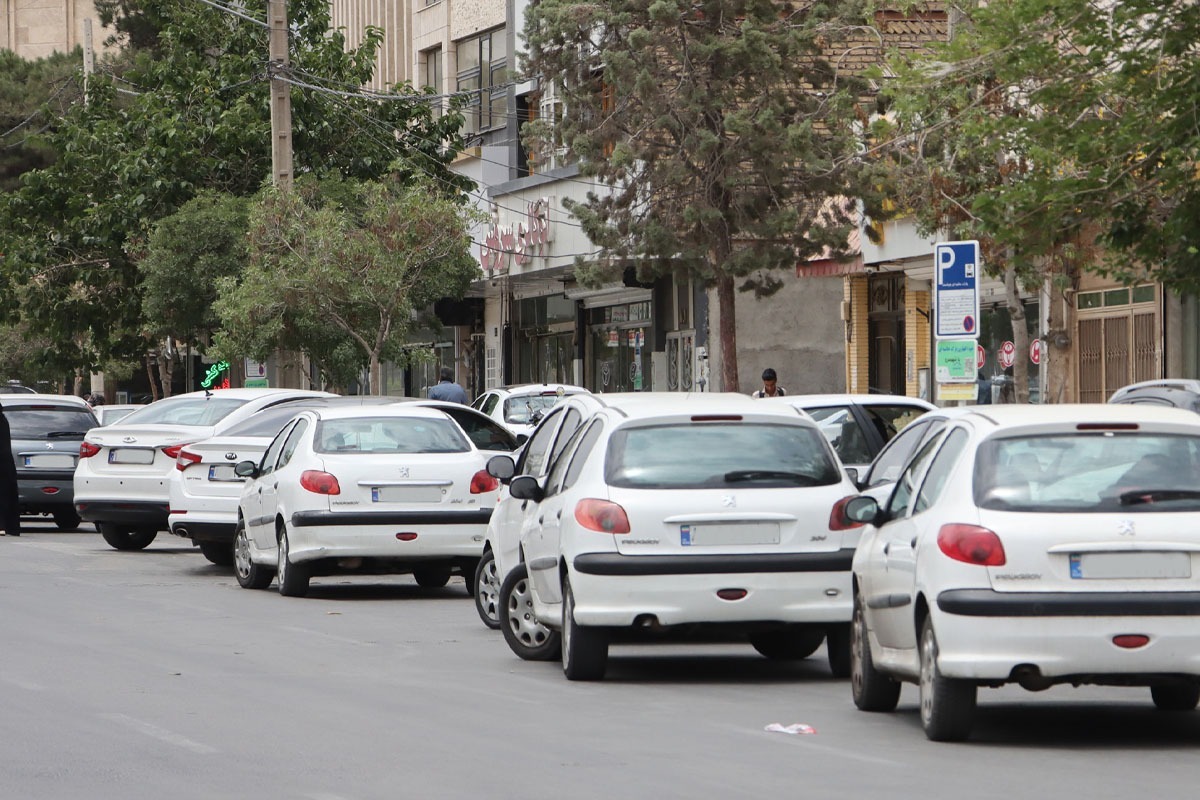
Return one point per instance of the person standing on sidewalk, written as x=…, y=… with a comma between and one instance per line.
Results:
x=10, y=511
x=770, y=387
x=447, y=389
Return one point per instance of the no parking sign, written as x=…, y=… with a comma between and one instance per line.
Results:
x=1007, y=354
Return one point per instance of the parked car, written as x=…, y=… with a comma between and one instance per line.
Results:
x=877, y=479
x=15, y=387
x=1037, y=546
x=673, y=513
x=501, y=581
x=858, y=425
x=1168, y=393
x=520, y=407
x=394, y=488
x=107, y=415
x=121, y=481
x=204, y=491
x=46, y=432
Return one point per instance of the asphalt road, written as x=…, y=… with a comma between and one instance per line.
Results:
x=154, y=675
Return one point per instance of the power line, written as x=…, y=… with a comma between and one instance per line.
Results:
x=235, y=12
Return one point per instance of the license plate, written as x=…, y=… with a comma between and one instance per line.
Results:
x=714, y=535
x=1100, y=566
x=406, y=494
x=222, y=472
x=51, y=461
x=131, y=455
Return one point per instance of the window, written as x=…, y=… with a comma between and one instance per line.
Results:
x=433, y=75
x=482, y=71
x=890, y=461
x=268, y=461
x=486, y=434
x=907, y=483
x=534, y=456
x=366, y=435
x=940, y=470
x=293, y=441
x=571, y=422
x=586, y=445
x=559, y=466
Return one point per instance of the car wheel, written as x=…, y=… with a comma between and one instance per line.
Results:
x=837, y=646
x=1175, y=696
x=219, y=553
x=432, y=577
x=528, y=638
x=790, y=644
x=871, y=689
x=947, y=705
x=584, y=650
x=123, y=537
x=66, y=520
x=487, y=591
x=249, y=574
x=292, y=577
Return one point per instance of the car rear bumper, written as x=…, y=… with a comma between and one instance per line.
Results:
x=44, y=493
x=757, y=563
x=124, y=512
x=683, y=598
x=335, y=539
x=203, y=530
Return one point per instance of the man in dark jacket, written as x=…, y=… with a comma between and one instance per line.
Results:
x=10, y=512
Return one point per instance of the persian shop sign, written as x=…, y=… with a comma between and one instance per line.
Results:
x=505, y=245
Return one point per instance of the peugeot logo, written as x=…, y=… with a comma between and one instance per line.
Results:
x=129, y=439
x=1125, y=528
x=49, y=445
x=231, y=456
x=728, y=501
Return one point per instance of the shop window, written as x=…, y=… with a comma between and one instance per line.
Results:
x=482, y=72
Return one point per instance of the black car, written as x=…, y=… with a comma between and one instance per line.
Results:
x=46, y=432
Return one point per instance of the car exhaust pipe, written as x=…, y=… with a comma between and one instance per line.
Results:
x=1030, y=678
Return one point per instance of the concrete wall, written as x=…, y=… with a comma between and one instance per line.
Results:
x=36, y=28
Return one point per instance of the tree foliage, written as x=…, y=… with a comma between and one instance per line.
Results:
x=339, y=269
x=725, y=131
x=188, y=114
x=32, y=96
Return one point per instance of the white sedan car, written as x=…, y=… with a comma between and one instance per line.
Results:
x=675, y=512
x=121, y=480
x=519, y=408
x=1035, y=546
x=385, y=489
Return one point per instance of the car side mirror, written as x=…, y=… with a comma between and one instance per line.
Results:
x=852, y=474
x=245, y=469
x=864, y=509
x=502, y=468
x=526, y=487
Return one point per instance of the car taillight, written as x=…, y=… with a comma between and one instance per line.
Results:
x=481, y=483
x=172, y=451
x=186, y=458
x=601, y=515
x=838, y=521
x=971, y=544
x=87, y=449
x=319, y=482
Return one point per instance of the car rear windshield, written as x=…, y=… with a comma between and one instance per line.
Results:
x=521, y=409
x=1089, y=472
x=199, y=411
x=390, y=435
x=266, y=423
x=49, y=422
x=706, y=455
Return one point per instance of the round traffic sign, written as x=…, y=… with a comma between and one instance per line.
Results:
x=980, y=356
x=1008, y=354
x=1035, y=351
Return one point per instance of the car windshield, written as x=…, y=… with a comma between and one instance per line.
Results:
x=717, y=455
x=185, y=411
x=1107, y=471
x=520, y=409
x=389, y=435
x=48, y=422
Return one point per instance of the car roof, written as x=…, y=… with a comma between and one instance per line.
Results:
x=803, y=400
x=250, y=394
x=24, y=399
x=639, y=405
x=1073, y=413
x=538, y=388
x=1178, y=396
x=383, y=410
x=1186, y=384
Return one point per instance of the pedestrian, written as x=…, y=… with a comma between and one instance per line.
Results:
x=447, y=389
x=10, y=498
x=983, y=389
x=770, y=387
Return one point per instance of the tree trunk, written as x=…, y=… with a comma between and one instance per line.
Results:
x=150, y=361
x=1016, y=312
x=166, y=367
x=728, y=334
x=375, y=373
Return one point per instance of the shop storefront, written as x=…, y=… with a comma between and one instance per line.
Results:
x=545, y=339
x=620, y=341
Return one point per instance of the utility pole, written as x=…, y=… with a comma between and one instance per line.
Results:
x=281, y=96
x=89, y=56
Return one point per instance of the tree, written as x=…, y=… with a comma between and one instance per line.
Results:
x=32, y=95
x=723, y=130
x=355, y=258
x=192, y=113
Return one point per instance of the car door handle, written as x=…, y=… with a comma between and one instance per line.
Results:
x=558, y=514
x=913, y=543
x=542, y=519
x=523, y=504
x=886, y=548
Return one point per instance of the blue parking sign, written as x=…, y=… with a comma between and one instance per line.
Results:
x=956, y=290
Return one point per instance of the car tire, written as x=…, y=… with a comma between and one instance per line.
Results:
x=837, y=646
x=292, y=577
x=219, y=553
x=432, y=577
x=66, y=520
x=486, y=591
x=1175, y=696
x=871, y=689
x=528, y=638
x=124, y=537
x=789, y=644
x=947, y=705
x=249, y=575
x=584, y=649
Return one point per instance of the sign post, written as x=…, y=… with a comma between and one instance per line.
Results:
x=956, y=318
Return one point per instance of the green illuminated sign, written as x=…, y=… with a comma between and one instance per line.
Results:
x=213, y=371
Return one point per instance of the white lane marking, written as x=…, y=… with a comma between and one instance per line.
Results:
x=162, y=734
x=20, y=683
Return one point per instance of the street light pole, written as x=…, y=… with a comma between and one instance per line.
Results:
x=281, y=96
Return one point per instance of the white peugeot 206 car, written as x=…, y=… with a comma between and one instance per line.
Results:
x=381, y=489
x=1035, y=546
x=711, y=513
x=121, y=480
